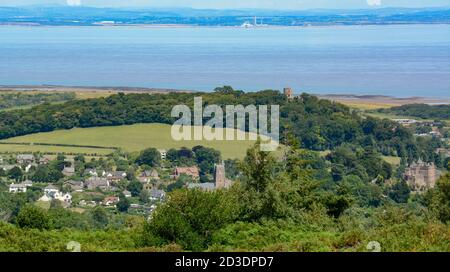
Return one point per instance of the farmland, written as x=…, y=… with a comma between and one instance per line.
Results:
x=129, y=138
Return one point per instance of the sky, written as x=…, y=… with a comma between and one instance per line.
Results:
x=235, y=4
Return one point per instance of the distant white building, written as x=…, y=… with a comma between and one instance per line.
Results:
x=17, y=188
x=406, y=122
x=20, y=188
x=51, y=192
x=25, y=158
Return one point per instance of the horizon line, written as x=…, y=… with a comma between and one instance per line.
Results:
x=375, y=8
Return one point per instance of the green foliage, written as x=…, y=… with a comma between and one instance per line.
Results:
x=423, y=111
x=20, y=99
x=123, y=205
x=439, y=199
x=189, y=218
x=400, y=192
x=317, y=124
x=33, y=217
x=135, y=187
x=100, y=217
x=150, y=156
x=15, y=173
x=46, y=173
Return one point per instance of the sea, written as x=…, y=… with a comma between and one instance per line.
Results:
x=393, y=60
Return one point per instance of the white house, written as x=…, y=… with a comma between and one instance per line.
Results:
x=50, y=189
x=17, y=188
x=51, y=192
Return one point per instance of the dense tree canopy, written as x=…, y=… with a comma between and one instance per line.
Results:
x=317, y=124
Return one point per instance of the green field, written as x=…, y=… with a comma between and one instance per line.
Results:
x=129, y=138
x=16, y=148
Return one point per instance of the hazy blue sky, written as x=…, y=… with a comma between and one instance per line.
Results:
x=219, y=4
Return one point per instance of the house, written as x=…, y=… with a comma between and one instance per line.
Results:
x=51, y=193
x=17, y=188
x=68, y=171
x=66, y=198
x=91, y=172
x=93, y=183
x=163, y=153
x=51, y=189
x=25, y=159
x=190, y=171
x=111, y=200
x=116, y=175
x=157, y=195
x=147, y=176
x=126, y=193
x=44, y=160
x=76, y=186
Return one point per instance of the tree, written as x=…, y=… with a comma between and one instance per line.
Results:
x=123, y=205
x=33, y=217
x=15, y=173
x=189, y=218
x=46, y=173
x=400, y=192
x=439, y=199
x=100, y=217
x=135, y=187
x=150, y=156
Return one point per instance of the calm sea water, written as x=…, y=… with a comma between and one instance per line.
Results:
x=411, y=60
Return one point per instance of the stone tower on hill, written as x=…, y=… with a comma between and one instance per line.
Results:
x=289, y=93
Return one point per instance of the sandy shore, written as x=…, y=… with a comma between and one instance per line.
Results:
x=52, y=88
x=381, y=101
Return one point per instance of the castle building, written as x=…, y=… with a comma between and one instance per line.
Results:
x=289, y=93
x=421, y=176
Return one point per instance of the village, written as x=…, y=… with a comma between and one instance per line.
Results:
x=109, y=182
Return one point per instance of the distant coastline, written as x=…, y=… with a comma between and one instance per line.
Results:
x=342, y=98
x=2, y=24
x=91, y=16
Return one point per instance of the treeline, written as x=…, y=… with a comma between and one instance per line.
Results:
x=317, y=124
x=20, y=99
x=423, y=111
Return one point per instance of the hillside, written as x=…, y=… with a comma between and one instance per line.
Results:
x=317, y=124
x=422, y=111
x=128, y=137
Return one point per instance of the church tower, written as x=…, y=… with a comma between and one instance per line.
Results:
x=219, y=176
